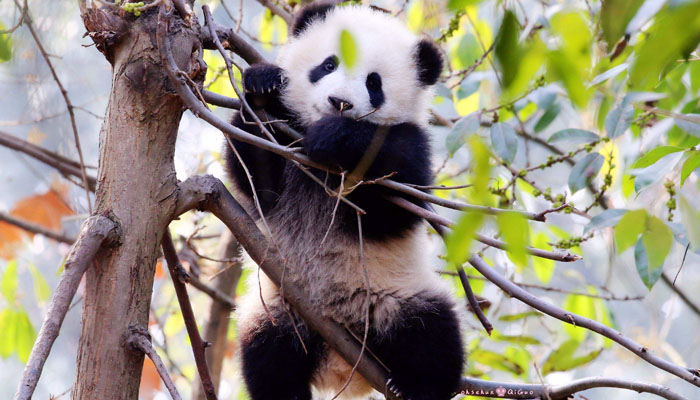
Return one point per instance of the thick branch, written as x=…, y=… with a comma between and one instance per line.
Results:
x=577, y=320
x=97, y=232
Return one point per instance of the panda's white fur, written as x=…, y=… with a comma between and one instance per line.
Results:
x=384, y=45
x=399, y=268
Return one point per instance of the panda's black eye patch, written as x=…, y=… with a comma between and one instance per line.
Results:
x=328, y=65
x=374, y=88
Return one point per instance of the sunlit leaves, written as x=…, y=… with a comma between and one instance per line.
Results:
x=573, y=136
x=515, y=230
x=691, y=221
x=459, y=241
x=619, y=119
x=563, y=359
x=666, y=42
x=615, y=15
x=584, y=171
x=273, y=29
x=5, y=45
x=504, y=141
x=9, y=282
x=654, y=155
x=544, y=268
x=496, y=361
x=631, y=225
x=17, y=334
x=41, y=287
x=571, y=62
x=348, y=49
x=588, y=307
x=481, y=170
x=455, y=5
x=657, y=239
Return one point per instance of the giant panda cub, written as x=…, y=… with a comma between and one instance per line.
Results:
x=372, y=118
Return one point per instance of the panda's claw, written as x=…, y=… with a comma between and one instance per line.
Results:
x=262, y=79
x=393, y=389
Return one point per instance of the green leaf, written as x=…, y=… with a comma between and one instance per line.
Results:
x=496, y=361
x=41, y=287
x=641, y=261
x=584, y=171
x=544, y=268
x=562, y=359
x=691, y=221
x=348, y=49
x=25, y=336
x=504, y=141
x=481, y=172
x=507, y=48
x=8, y=322
x=615, y=15
x=515, y=231
x=459, y=241
x=657, y=239
x=666, y=42
x=571, y=62
x=456, y=5
x=618, y=120
x=9, y=282
x=519, y=316
x=655, y=155
x=605, y=219
x=583, y=306
x=691, y=164
x=631, y=225
x=521, y=340
x=612, y=72
x=547, y=118
x=5, y=45
x=573, y=135
x=466, y=125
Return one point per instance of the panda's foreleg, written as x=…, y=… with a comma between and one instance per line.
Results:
x=423, y=351
x=275, y=365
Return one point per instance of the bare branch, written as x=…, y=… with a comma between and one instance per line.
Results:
x=65, y=166
x=472, y=300
x=519, y=293
x=29, y=23
x=97, y=232
x=139, y=339
x=36, y=228
x=179, y=276
x=576, y=386
x=439, y=219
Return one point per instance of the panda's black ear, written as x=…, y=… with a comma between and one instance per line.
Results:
x=308, y=14
x=429, y=62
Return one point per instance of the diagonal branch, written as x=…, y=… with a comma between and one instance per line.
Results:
x=97, y=233
x=180, y=277
x=138, y=338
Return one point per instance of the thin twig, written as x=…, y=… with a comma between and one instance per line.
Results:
x=36, y=228
x=139, y=339
x=472, y=301
x=29, y=23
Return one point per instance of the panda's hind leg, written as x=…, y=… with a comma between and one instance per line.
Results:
x=275, y=365
x=423, y=350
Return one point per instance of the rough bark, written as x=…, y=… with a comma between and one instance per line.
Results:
x=216, y=328
x=136, y=181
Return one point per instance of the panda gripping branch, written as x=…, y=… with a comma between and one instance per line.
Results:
x=369, y=120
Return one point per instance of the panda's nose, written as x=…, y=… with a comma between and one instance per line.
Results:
x=339, y=104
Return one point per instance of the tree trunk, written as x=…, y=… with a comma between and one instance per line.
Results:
x=136, y=187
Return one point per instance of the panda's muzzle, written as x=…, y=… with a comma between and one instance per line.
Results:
x=340, y=104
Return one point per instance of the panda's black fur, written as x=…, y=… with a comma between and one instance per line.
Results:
x=416, y=333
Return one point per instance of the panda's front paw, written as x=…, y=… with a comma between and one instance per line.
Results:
x=393, y=388
x=263, y=78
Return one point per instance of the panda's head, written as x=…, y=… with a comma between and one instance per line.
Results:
x=389, y=83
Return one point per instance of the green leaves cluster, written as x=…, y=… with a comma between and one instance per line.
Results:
x=17, y=335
